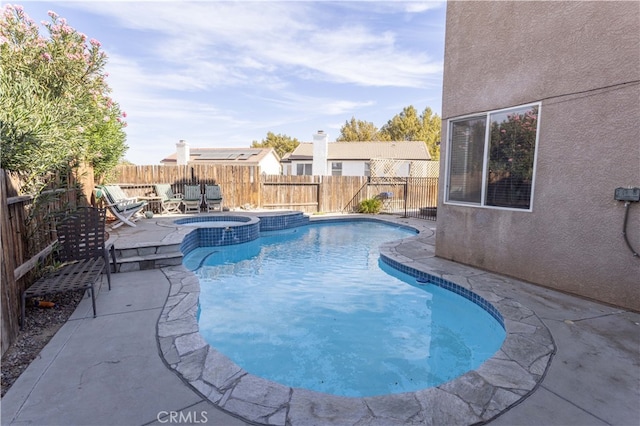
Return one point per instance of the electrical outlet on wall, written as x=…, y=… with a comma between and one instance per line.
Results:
x=627, y=194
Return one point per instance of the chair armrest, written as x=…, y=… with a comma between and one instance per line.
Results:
x=121, y=201
x=126, y=204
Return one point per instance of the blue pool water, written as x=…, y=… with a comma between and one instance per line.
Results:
x=315, y=308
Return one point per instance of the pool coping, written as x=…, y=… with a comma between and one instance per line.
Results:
x=477, y=396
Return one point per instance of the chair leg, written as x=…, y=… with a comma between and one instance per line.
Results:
x=108, y=268
x=113, y=257
x=118, y=224
x=123, y=220
x=93, y=299
x=105, y=255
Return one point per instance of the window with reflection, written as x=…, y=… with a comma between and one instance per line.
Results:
x=466, y=159
x=491, y=158
x=304, y=169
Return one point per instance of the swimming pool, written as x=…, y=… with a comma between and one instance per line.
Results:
x=504, y=380
x=314, y=307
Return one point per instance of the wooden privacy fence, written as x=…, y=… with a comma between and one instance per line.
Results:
x=240, y=185
x=246, y=186
x=28, y=235
x=310, y=194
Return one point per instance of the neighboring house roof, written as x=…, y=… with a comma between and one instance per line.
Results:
x=224, y=155
x=403, y=150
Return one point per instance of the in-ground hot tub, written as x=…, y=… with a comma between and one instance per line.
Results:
x=222, y=230
x=214, y=221
x=219, y=230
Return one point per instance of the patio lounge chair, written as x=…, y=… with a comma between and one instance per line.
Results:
x=212, y=197
x=170, y=202
x=192, y=199
x=84, y=255
x=124, y=208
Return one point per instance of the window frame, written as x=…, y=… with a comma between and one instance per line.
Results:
x=305, y=167
x=486, y=115
x=336, y=167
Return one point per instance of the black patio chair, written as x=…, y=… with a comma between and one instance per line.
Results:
x=82, y=250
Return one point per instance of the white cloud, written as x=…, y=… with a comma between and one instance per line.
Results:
x=211, y=40
x=328, y=106
x=420, y=6
x=225, y=73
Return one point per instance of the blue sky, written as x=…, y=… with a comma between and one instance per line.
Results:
x=223, y=74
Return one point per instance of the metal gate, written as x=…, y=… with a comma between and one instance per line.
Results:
x=407, y=196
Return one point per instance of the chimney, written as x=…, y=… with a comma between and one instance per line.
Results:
x=182, y=153
x=320, y=153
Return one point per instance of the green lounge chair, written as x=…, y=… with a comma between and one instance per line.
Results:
x=192, y=199
x=125, y=209
x=169, y=200
x=212, y=197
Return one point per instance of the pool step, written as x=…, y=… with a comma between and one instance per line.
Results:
x=141, y=258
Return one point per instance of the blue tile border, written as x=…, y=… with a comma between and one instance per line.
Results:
x=366, y=219
x=210, y=234
x=276, y=222
x=212, y=219
x=425, y=277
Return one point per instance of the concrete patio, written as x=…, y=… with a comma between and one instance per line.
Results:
x=119, y=368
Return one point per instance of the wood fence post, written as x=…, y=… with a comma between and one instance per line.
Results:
x=319, y=195
x=86, y=180
x=9, y=301
x=260, y=187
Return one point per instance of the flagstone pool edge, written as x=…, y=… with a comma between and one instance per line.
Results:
x=477, y=396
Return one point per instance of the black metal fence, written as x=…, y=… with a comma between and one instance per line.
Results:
x=407, y=196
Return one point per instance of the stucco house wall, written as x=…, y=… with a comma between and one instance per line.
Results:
x=581, y=61
x=266, y=158
x=270, y=165
x=351, y=168
x=355, y=155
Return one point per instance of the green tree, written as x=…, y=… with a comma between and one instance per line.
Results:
x=513, y=143
x=55, y=109
x=409, y=126
x=404, y=126
x=107, y=141
x=431, y=132
x=358, y=131
x=281, y=143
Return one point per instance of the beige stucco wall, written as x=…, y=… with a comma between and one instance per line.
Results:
x=581, y=60
x=270, y=165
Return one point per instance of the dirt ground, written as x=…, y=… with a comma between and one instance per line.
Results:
x=41, y=324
